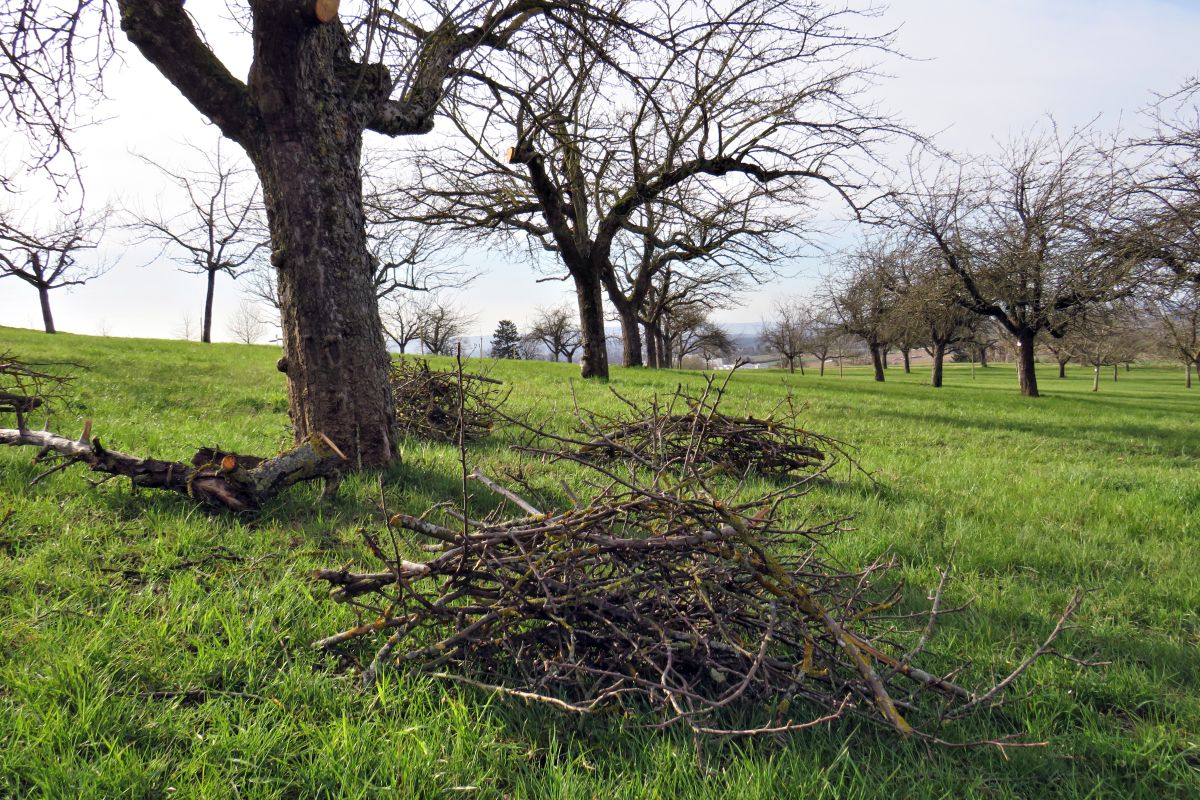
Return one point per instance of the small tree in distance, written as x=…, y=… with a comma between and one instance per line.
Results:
x=47, y=259
x=246, y=325
x=506, y=341
x=784, y=333
x=219, y=231
x=557, y=330
x=440, y=325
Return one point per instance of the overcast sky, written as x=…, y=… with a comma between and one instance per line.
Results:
x=980, y=71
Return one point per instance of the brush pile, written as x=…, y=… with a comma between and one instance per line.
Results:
x=706, y=610
x=693, y=429
x=24, y=388
x=441, y=405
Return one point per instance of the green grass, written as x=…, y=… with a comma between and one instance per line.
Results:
x=1031, y=498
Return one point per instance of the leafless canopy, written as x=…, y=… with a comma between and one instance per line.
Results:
x=220, y=228
x=621, y=150
x=47, y=257
x=1020, y=233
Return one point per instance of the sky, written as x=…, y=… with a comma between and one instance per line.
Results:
x=977, y=72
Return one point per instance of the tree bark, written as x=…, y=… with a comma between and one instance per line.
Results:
x=1096, y=378
x=631, y=336
x=1026, y=374
x=1062, y=368
x=206, y=323
x=47, y=317
x=983, y=358
x=593, y=361
x=665, y=356
x=907, y=361
x=651, y=347
x=939, y=358
x=307, y=155
x=877, y=361
x=1188, y=365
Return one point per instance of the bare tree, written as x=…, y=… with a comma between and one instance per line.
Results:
x=246, y=325
x=440, y=324
x=823, y=339
x=786, y=332
x=186, y=328
x=401, y=320
x=219, y=230
x=692, y=332
x=48, y=258
x=1159, y=219
x=931, y=306
x=1018, y=233
x=1176, y=311
x=597, y=147
x=316, y=84
x=556, y=329
x=1104, y=337
x=862, y=297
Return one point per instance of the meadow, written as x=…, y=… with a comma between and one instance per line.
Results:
x=151, y=649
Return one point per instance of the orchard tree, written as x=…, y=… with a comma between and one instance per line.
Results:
x=1019, y=232
x=862, y=297
x=786, y=332
x=316, y=85
x=1176, y=310
x=758, y=103
x=220, y=229
x=557, y=330
x=440, y=324
x=48, y=258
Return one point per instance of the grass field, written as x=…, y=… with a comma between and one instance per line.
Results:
x=106, y=596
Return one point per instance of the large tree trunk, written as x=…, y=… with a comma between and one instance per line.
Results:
x=593, y=362
x=1188, y=365
x=907, y=361
x=307, y=158
x=631, y=337
x=983, y=357
x=939, y=358
x=651, y=347
x=47, y=317
x=1062, y=368
x=1096, y=378
x=665, y=356
x=206, y=322
x=878, y=360
x=1026, y=375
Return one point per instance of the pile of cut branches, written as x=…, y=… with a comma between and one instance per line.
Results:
x=693, y=429
x=442, y=405
x=24, y=388
x=711, y=613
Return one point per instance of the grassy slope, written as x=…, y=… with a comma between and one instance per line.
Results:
x=1032, y=497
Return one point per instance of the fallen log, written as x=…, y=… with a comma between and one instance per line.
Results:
x=214, y=478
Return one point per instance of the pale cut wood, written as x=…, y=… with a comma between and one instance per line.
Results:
x=325, y=10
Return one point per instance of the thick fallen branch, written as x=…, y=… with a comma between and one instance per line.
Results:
x=214, y=478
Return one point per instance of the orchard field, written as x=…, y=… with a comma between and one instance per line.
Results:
x=151, y=649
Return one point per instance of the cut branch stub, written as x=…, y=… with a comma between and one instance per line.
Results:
x=325, y=11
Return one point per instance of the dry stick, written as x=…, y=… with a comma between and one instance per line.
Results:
x=478, y=475
x=1044, y=649
x=462, y=459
